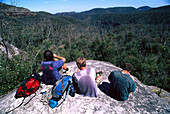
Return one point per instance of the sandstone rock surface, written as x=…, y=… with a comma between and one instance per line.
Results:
x=12, y=50
x=143, y=100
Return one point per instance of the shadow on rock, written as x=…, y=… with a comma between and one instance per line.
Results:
x=105, y=87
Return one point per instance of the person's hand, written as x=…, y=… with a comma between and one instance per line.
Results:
x=99, y=78
x=55, y=59
x=54, y=55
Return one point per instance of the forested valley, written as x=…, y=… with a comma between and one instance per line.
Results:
x=116, y=35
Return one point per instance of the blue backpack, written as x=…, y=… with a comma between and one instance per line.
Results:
x=65, y=84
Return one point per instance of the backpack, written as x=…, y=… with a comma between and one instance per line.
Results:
x=65, y=84
x=29, y=86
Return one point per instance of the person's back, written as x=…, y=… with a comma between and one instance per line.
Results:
x=86, y=82
x=50, y=71
x=51, y=68
x=121, y=84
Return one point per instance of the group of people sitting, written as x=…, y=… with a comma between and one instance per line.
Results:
x=85, y=79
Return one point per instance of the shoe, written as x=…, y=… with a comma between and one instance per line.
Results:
x=69, y=72
x=99, y=73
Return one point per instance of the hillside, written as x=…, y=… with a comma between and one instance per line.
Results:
x=10, y=8
x=111, y=10
x=143, y=100
x=41, y=26
x=144, y=8
x=111, y=16
x=108, y=10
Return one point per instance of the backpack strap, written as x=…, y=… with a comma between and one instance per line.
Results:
x=30, y=99
x=46, y=96
x=62, y=86
x=16, y=107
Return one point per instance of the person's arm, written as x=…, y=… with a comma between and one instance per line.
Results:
x=56, y=56
x=110, y=76
x=78, y=70
x=132, y=78
x=132, y=86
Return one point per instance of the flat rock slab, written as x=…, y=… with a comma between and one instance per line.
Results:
x=143, y=100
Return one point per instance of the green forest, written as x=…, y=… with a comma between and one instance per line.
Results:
x=141, y=38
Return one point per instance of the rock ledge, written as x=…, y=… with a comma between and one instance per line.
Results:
x=142, y=101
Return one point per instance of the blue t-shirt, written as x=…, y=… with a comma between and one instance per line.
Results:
x=51, y=71
x=121, y=85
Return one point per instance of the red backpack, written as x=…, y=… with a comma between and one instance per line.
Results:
x=29, y=86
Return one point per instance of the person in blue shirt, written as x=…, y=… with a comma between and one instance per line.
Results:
x=51, y=66
x=122, y=83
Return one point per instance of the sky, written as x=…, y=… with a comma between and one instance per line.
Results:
x=56, y=6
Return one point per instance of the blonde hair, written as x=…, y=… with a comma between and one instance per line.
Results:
x=81, y=61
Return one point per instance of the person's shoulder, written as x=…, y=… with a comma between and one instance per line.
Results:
x=47, y=62
x=91, y=68
x=58, y=62
x=128, y=78
x=116, y=73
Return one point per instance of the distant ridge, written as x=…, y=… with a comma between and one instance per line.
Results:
x=66, y=13
x=144, y=8
x=103, y=10
x=161, y=9
x=112, y=10
x=120, y=10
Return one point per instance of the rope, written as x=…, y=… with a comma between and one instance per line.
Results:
x=21, y=104
x=46, y=97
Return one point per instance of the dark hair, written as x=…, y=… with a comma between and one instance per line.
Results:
x=48, y=55
x=128, y=67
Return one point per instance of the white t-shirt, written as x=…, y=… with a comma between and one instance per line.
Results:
x=86, y=82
